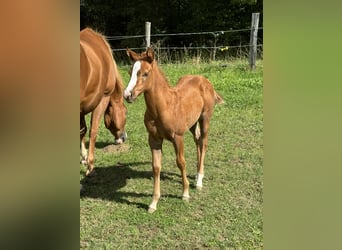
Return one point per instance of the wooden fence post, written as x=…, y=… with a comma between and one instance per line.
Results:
x=253, y=40
x=148, y=34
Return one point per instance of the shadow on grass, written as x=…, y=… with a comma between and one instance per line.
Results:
x=107, y=182
x=100, y=144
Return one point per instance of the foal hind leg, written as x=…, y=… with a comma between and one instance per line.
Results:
x=83, y=131
x=95, y=120
x=195, y=130
x=202, y=147
x=178, y=144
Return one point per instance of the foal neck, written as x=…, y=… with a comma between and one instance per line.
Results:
x=158, y=96
x=159, y=83
x=159, y=77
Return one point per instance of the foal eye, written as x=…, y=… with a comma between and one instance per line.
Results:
x=145, y=74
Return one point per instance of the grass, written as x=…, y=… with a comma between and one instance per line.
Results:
x=225, y=214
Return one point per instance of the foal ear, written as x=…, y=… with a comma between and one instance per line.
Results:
x=134, y=56
x=149, y=55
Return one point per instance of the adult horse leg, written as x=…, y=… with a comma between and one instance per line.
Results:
x=83, y=131
x=156, y=148
x=95, y=120
x=178, y=144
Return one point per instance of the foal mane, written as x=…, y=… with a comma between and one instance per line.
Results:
x=160, y=72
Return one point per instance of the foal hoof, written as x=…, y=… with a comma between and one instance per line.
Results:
x=186, y=198
x=84, y=162
x=90, y=173
x=151, y=210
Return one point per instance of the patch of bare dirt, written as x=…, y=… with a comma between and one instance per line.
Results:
x=120, y=148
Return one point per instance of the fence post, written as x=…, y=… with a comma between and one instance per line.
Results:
x=148, y=34
x=253, y=40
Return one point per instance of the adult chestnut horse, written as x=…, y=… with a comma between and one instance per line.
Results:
x=170, y=111
x=101, y=92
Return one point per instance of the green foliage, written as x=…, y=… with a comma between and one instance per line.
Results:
x=115, y=18
x=226, y=213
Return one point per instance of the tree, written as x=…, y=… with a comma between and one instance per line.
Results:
x=115, y=18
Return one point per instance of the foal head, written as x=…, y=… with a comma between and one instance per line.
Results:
x=140, y=73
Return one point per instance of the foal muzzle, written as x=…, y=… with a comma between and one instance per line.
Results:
x=128, y=96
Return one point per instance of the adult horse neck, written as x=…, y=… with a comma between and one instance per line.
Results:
x=101, y=90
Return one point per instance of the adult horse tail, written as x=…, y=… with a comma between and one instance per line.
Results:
x=218, y=98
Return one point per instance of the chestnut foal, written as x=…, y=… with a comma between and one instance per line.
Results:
x=170, y=111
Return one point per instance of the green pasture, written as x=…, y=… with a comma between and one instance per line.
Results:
x=225, y=214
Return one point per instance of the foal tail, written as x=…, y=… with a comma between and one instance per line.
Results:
x=218, y=98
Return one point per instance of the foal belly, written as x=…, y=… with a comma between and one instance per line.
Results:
x=167, y=129
x=159, y=130
x=175, y=121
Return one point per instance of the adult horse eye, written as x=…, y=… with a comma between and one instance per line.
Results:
x=145, y=74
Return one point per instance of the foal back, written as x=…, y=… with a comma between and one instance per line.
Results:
x=196, y=96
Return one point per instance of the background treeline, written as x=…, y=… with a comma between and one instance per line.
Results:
x=127, y=18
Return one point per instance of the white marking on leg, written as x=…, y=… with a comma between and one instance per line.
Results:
x=199, y=180
x=152, y=207
x=133, y=80
x=84, y=152
x=197, y=132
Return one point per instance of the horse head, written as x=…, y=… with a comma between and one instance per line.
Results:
x=140, y=74
x=115, y=120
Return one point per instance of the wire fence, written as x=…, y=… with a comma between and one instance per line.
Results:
x=215, y=33
x=220, y=45
x=222, y=48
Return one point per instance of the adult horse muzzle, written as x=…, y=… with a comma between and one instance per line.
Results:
x=122, y=138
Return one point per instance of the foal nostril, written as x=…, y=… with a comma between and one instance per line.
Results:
x=127, y=94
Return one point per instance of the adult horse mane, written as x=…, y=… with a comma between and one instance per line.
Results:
x=170, y=111
x=101, y=92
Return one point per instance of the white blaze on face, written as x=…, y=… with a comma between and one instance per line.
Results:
x=134, y=78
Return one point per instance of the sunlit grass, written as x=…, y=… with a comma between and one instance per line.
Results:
x=226, y=213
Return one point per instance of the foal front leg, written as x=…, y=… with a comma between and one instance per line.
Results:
x=156, y=148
